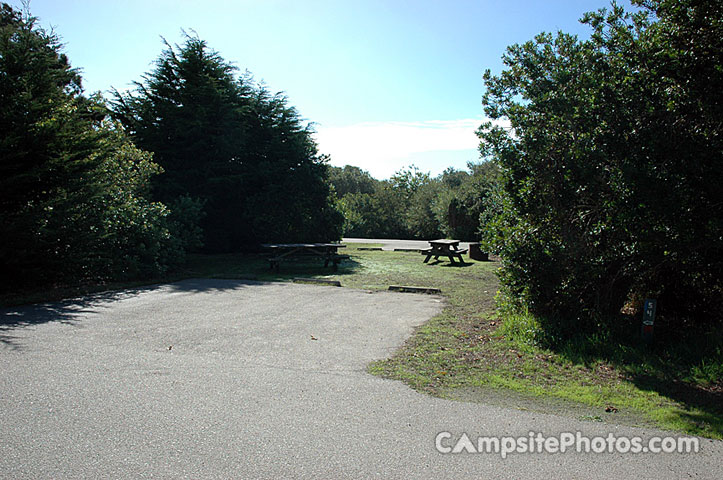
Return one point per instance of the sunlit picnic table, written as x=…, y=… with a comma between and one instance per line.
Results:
x=444, y=248
x=287, y=251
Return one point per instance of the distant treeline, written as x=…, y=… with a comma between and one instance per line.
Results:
x=412, y=204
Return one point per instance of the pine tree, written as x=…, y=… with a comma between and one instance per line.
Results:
x=227, y=142
x=73, y=190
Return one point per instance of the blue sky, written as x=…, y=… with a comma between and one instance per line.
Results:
x=387, y=83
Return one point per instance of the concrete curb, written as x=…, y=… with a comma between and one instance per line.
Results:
x=320, y=281
x=408, y=289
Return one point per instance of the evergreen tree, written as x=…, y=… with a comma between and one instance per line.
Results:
x=231, y=145
x=72, y=187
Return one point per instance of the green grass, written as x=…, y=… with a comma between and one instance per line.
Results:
x=471, y=351
x=676, y=385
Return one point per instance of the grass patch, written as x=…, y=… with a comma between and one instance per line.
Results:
x=472, y=352
x=471, y=347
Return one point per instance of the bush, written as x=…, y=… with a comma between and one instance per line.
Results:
x=612, y=166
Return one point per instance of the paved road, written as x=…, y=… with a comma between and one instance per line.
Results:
x=391, y=244
x=228, y=379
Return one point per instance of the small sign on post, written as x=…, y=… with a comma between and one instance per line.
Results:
x=648, y=319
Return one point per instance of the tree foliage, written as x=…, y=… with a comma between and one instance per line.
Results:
x=464, y=198
x=73, y=201
x=351, y=179
x=412, y=204
x=242, y=152
x=613, y=165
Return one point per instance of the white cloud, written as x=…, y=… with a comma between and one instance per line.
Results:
x=384, y=147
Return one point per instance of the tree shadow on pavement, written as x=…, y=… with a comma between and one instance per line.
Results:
x=208, y=274
x=69, y=311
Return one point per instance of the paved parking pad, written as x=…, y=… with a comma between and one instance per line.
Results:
x=230, y=379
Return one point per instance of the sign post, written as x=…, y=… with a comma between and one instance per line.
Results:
x=649, y=308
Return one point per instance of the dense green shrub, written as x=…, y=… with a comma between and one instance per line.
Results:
x=612, y=166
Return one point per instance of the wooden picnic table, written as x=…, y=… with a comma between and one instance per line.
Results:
x=444, y=248
x=325, y=251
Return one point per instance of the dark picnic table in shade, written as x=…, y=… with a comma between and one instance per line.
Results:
x=444, y=248
x=286, y=251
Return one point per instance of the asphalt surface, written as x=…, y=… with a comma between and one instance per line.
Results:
x=391, y=244
x=229, y=379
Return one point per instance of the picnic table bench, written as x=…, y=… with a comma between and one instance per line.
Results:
x=444, y=248
x=286, y=251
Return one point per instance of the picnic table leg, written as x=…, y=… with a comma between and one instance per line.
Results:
x=428, y=257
